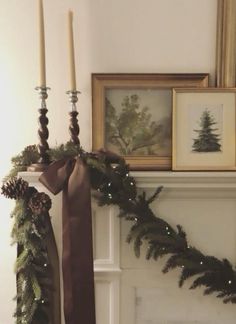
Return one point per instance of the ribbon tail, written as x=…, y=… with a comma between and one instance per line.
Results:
x=79, y=300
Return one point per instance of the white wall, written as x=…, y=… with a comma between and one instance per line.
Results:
x=111, y=36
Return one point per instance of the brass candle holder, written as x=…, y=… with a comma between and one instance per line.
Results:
x=74, y=126
x=43, y=133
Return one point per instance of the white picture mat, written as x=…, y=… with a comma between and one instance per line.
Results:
x=184, y=157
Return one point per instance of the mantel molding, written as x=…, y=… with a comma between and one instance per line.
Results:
x=188, y=180
x=189, y=184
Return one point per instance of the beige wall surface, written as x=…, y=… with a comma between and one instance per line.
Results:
x=111, y=36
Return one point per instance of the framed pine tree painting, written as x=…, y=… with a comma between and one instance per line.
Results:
x=204, y=129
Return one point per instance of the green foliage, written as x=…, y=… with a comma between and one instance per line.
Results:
x=207, y=140
x=68, y=150
x=30, y=155
x=20, y=162
x=112, y=184
x=32, y=265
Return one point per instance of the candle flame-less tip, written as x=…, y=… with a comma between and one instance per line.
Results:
x=71, y=14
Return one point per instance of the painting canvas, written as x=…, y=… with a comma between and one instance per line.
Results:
x=206, y=128
x=132, y=115
x=138, y=121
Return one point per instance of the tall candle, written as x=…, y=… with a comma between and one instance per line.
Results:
x=42, y=66
x=71, y=52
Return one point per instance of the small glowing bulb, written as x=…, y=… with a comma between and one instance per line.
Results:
x=229, y=282
x=131, y=183
x=168, y=233
x=127, y=174
x=45, y=265
x=167, y=228
x=201, y=262
x=42, y=301
x=109, y=184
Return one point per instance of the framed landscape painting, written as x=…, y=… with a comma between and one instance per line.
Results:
x=204, y=129
x=132, y=115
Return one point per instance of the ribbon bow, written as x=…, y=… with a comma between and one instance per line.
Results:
x=71, y=176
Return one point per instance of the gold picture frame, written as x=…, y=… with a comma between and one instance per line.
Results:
x=204, y=129
x=226, y=44
x=138, y=123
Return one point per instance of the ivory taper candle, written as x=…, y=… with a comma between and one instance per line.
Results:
x=42, y=64
x=71, y=52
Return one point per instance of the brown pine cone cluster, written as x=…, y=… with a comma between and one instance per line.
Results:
x=39, y=203
x=15, y=188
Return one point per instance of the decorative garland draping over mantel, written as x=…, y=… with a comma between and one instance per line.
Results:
x=112, y=185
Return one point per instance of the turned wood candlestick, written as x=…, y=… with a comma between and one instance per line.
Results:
x=74, y=126
x=43, y=134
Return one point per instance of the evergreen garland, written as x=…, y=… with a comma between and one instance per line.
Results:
x=112, y=185
x=31, y=225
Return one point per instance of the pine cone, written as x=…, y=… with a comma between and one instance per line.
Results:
x=15, y=188
x=40, y=203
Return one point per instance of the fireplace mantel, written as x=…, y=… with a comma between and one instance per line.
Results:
x=204, y=203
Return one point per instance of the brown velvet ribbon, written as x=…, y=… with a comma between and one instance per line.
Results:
x=71, y=176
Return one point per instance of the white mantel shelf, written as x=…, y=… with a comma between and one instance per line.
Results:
x=169, y=179
x=183, y=180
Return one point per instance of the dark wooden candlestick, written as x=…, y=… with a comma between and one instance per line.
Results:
x=43, y=133
x=74, y=126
